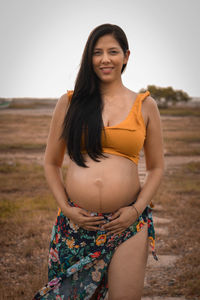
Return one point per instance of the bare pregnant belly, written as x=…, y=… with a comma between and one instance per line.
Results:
x=105, y=186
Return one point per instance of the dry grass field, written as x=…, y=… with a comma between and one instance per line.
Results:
x=28, y=210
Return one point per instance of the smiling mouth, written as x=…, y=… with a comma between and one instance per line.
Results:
x=106, y=70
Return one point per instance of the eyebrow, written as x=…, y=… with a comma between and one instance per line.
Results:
x=108, y=49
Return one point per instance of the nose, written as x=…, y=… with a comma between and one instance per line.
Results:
x=105, y=57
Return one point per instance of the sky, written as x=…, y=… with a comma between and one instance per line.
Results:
x=42, y=42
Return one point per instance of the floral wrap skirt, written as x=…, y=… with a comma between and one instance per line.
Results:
x=79, y=258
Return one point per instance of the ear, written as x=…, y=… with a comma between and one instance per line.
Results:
x=126, y=56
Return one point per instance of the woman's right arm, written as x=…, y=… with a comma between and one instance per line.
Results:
x=53, y=159
x=54, y=155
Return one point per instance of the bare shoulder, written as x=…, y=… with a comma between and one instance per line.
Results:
x=150, y=106
x=63, y=102
x=62, y=106
x=150, y=102
x=150, y=110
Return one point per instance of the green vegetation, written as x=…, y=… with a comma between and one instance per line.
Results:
x=166, y=96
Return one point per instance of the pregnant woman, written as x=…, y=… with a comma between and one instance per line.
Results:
x=100, y=240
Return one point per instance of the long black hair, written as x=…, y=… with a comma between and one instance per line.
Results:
x=83, y=124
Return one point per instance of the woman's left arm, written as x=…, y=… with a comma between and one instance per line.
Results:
x=154, y=155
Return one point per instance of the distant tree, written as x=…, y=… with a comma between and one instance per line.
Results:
x=167, y=96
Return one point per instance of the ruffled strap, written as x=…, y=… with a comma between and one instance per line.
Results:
x=144, y=95
x=69, y=94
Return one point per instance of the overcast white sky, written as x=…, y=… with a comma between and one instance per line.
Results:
x=42, y=42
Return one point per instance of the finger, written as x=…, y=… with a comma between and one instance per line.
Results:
x=92, y=228
x=111, y=224
x=92, y=219
x=95, y=219
x=95, y=223
x=113, y=229
x=85, y=213
x=115, y=215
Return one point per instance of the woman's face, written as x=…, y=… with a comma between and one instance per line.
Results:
x=108, y=58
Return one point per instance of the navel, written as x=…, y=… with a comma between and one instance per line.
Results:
x=98, y=182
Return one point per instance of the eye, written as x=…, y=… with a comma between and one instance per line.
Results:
x=96, y=52
x=113, y=52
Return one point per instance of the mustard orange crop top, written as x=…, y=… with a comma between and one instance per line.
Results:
x=126, y=138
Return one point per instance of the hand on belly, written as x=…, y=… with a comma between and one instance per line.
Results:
x=81, y=218
x=120, y=220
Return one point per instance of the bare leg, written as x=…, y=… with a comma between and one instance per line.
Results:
x=127, y=268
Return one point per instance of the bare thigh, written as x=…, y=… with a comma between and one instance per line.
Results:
x=127, y=268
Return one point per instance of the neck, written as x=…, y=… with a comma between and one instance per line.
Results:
x=111, y=89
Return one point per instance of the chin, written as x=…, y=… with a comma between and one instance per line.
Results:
x=108, y=79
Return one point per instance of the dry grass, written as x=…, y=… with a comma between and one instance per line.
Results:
x=28, y=210
x=32, y=105
x=179, y=196
x=181, y=136
x=22, y=132
x=25, y=105
x=180, y=111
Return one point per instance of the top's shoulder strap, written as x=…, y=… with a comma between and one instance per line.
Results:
x=144, y=95
x=69, y=94
x=140, y=98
